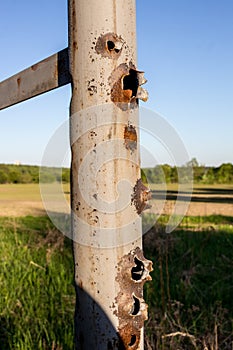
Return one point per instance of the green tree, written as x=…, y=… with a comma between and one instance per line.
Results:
x=209, y=176
x=167, y=170
x=66, y=175
x=174, y=175
x=3, y=177
x=15, y=176
x=225, y=173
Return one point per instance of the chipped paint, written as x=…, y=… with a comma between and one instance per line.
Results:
x=141, y=196
x=132, y=309
x=130, y=136
x=92, y=87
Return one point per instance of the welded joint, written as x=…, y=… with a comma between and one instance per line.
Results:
x=125, y=82
x=133, y=271
x=141, y=196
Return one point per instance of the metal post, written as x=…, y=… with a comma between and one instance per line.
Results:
x=107, y=195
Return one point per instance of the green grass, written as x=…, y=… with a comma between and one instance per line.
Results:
x=190, y=297
x=24, y=192
x=37, y=296
x=30, y=192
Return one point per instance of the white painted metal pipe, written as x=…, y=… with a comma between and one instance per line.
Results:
x=41, y=77
x=107, y=193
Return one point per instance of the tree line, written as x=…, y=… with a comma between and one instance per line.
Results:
x=223, y=174
x=25, y=174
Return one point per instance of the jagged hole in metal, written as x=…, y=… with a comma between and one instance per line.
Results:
x=136, y=306
x=138, y=270
x=133, y=340
x=130, y=82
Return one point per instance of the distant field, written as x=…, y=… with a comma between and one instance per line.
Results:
x=205, y=199
x=25, y=199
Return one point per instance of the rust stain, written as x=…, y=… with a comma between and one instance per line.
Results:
x=80, y=284
x=132, y=309
x=109, y=45
x=34, y=66
x=110, y=133
x=75, y=45
x=19, y=82
x=141, y=196
x=125, y=82
x=130, y=136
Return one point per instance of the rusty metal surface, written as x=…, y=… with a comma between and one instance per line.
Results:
x=126, y=89
x=104, y=135
x=41, y=77
x=130, y=136
x=141, y=196
x=133, y=271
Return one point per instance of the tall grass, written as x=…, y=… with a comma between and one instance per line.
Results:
x=190, y=297
x=37, y=296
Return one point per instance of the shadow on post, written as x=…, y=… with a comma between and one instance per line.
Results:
x=84, y=327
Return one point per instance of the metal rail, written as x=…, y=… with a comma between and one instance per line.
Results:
x=46, y=75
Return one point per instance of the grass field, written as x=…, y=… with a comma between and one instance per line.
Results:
x=190, y=298
x=25, y=199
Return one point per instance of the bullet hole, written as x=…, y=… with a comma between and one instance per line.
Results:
x=132, y=309
x=109, y=45
x=130, y=82
x=137, y=271
x=78, y=205
x=93, y=133
x=136, y=306
x=133, y=340
x=126, y=84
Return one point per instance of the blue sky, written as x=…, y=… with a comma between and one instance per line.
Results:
x=184, y=47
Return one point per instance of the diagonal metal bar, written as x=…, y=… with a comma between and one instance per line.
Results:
x=41, y=77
